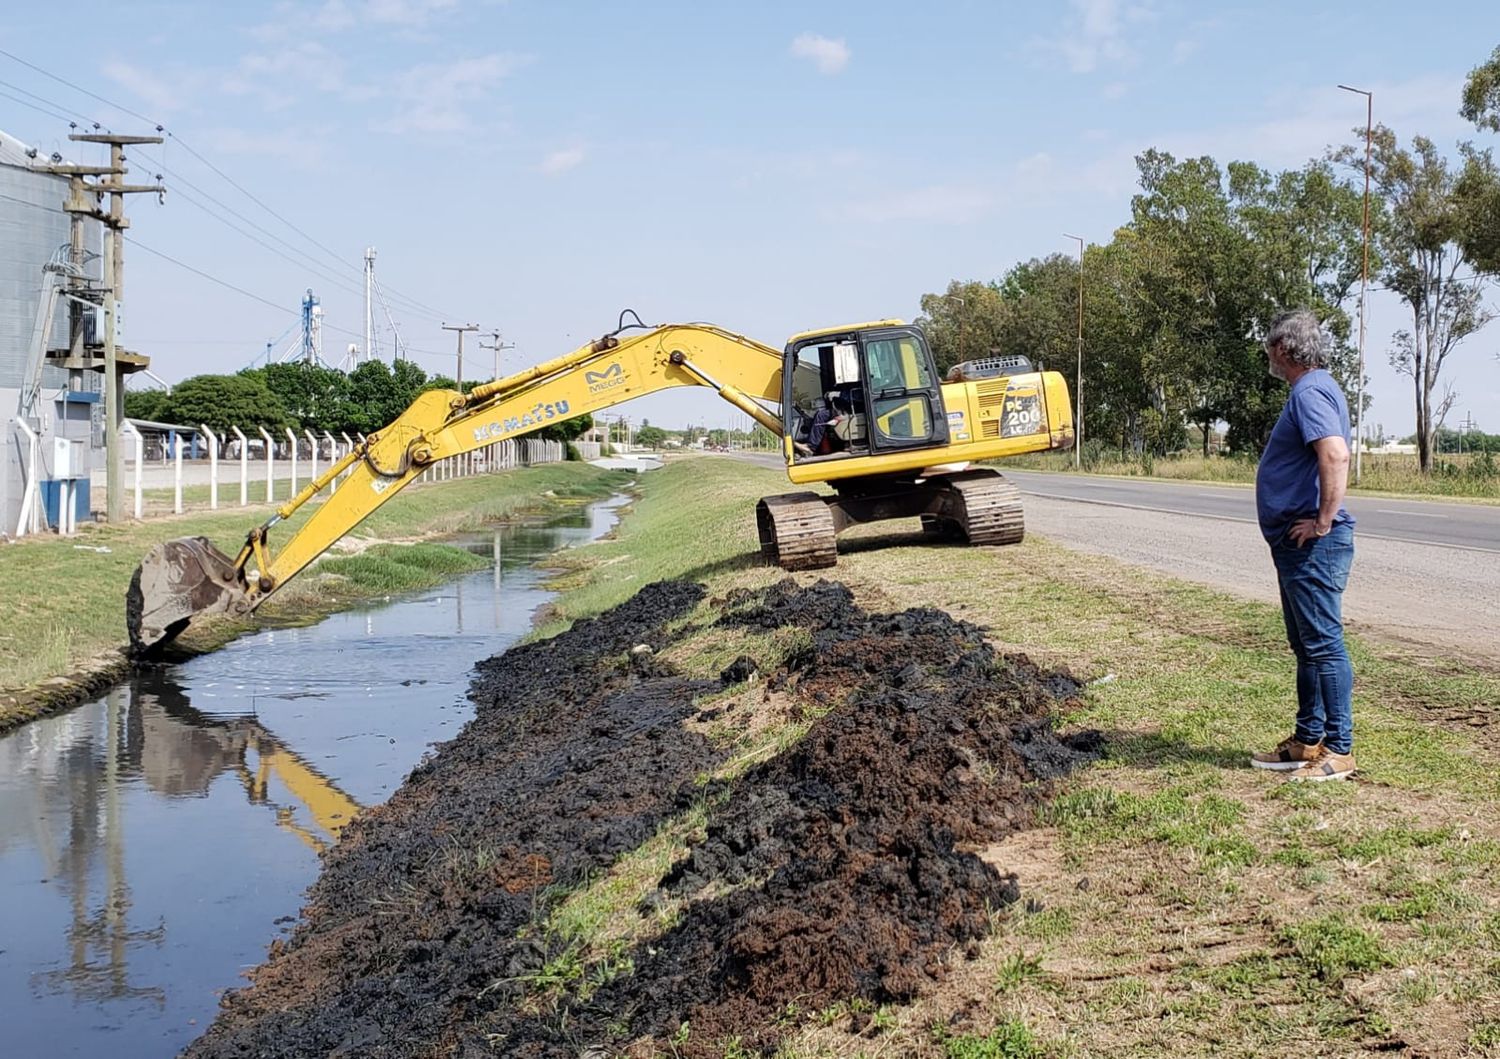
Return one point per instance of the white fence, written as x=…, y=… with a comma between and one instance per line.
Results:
x=174, y=483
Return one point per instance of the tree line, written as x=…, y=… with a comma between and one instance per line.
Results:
x=1177, y=302
x=306, y=396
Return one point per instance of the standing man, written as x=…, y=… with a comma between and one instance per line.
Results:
x=1299, y=498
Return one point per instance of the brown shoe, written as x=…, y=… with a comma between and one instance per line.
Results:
x=1326, y=766
x=1289, y=754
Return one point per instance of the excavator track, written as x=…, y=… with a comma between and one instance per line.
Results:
x=988, y=508
x=797, y=531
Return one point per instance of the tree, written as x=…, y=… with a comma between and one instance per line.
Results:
x=1481, y=99
x=1424, y=248
x=313, y=396
x=649, y=436
x=148, y=404
x=225, y=401
x=963, y=323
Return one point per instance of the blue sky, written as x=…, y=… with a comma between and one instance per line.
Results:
x=535, y=167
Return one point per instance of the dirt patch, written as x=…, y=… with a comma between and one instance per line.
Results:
x=838, y=869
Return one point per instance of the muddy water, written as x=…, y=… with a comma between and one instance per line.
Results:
x=152, y=843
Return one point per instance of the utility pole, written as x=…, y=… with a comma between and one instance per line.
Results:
x=115, y=224
x=369, y=304
x=1364, y=288
x=1078, y=424
x=497, y=346
x=460, y=328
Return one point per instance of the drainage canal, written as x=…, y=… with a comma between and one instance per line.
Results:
x=153, y=842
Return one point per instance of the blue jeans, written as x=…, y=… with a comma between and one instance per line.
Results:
x=1312, y=580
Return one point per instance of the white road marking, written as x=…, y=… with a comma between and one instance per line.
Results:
x=1413, y=514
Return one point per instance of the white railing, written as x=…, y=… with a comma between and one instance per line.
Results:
x=183, y=469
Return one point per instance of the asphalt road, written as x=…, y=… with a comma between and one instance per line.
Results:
x=1426, y=574
x=1452, y=525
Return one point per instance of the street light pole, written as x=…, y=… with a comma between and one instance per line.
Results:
x=1364, y=289
x=1078, y=425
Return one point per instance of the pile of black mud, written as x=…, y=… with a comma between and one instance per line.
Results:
x=841, y=868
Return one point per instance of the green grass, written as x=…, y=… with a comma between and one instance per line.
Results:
x=1010, y=1040
x=65, y=596
x=1467, y=476
x=1334, y=949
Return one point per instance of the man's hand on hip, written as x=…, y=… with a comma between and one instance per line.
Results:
x=1306, y=529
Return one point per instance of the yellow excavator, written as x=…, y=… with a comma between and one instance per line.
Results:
x=860, y=407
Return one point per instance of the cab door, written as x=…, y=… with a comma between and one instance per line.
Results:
x=903, y=397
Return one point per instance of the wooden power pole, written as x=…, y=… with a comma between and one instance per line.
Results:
x=111, y=181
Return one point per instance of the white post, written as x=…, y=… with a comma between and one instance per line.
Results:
x=348, y=448
x=291, y=439
x=244, y=467
x=333, y=457
x=140, y=458
x=270, y=466
x=313, y=474
x=25, y=524
x=213, y=466
x=177, y=478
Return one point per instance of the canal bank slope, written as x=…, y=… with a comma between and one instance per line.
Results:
x=739, y=814
x=64, y=636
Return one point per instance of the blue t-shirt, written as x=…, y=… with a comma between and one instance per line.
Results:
x=1286, y=482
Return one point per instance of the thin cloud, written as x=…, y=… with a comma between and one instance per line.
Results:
x=160, y=96
x=437, y=97
x=1098, y=34
x=562, y=160
x=936, y=203
x=830, y=55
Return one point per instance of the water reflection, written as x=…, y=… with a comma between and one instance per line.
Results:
x=151, y=841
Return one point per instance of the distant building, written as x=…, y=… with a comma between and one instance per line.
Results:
x=35, y=227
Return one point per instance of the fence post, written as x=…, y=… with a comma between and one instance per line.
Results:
x=313, y=441
x=270, y=466
x=333, y=457
x=244, y=466
x=177, y=476
x=348, y=448
x=213, y=466
x=140, y=456
x=292, y=441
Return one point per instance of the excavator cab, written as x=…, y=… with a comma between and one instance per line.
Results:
x=861, y=390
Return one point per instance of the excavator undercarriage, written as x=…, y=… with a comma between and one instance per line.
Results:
x=799, y=531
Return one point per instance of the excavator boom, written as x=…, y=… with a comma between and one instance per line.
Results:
x=181, y=579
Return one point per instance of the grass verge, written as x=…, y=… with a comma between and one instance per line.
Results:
x=65, y=596
x=1178, y=903
x=1467, y=477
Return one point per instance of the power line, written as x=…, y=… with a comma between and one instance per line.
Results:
x=211, y=278
x=33, y=106
x=79, y=88
x=395, y=294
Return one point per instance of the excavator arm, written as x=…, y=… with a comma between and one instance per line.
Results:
x=183, y=578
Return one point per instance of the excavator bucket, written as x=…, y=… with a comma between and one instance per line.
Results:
x=177, y=581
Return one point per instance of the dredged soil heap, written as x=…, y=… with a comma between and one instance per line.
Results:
x=838, y=869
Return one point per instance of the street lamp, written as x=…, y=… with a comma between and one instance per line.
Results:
x=1364, y=287
x=1078, y=424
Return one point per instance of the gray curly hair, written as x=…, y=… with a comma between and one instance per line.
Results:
x=1300, y=338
